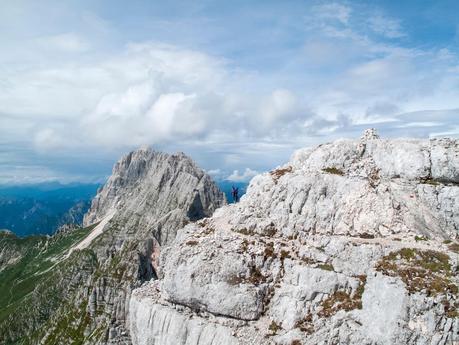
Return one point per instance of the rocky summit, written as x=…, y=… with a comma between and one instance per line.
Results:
x=75, y=287
x=155, y=192
x=351, y=242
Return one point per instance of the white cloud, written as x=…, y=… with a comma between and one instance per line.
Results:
x=67, y=42
x=31, y=174
x=244, y=177
x=420, y=124
x=47, y=139
x=453, y=132
x=279, y=106
x=338, y=74
x=167, y=95
x=214, y=172
x=149, y=94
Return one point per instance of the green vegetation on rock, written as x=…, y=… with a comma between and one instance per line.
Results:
x=334, y=171
x=30, y=283
x=425, y=271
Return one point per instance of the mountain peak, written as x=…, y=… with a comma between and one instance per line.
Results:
x=145, y=182
x=85, y=276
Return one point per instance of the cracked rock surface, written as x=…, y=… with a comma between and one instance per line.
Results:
x=156, y=192
x=352, y=242
x=82, y=294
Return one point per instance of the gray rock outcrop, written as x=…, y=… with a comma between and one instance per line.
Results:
x=352, y=242
x=149, y=196
x=156, y=192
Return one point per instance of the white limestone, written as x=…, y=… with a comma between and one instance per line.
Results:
x=296, y=261
x=152, y=323
x=145, y=184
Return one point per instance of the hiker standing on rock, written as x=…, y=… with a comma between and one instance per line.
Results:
x=235, y=193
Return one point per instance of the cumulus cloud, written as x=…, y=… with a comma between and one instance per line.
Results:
x=169, y=96
x=32, y=174
x=245, y=176
x=345, y=70
x=152, y=93
x=46, y=139
x=281, y=105
x=214, y=172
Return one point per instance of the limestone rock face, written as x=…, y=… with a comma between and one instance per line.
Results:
x=352, y=242
x=374, y=186
x=156, y=192
x=154, y=323
x=216, y=285
x=149, y=196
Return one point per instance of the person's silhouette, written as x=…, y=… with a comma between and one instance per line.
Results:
x=235, y=193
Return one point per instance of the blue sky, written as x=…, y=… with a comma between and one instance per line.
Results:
x=238, y=85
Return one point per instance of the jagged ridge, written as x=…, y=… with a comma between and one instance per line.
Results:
x=149, y=196
x=349, y=243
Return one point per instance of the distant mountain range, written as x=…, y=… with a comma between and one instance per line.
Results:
x=42, y=208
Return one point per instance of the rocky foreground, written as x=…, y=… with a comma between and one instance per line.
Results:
x=353, y=242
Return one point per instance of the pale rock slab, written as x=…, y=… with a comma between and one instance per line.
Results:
x=296, y=260
x=153, y=324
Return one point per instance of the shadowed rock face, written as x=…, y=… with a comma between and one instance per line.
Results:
x=351, y=242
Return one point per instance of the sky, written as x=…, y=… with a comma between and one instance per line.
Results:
x=237, y=85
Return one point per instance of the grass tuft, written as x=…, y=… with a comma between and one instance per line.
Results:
x=274, y=327
x=454, y=247
x=424, y=271
x=326, y=267
x=278, y=173
x=342, y=300
x=430, y=181
x=334, y=171
x=420, y=238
